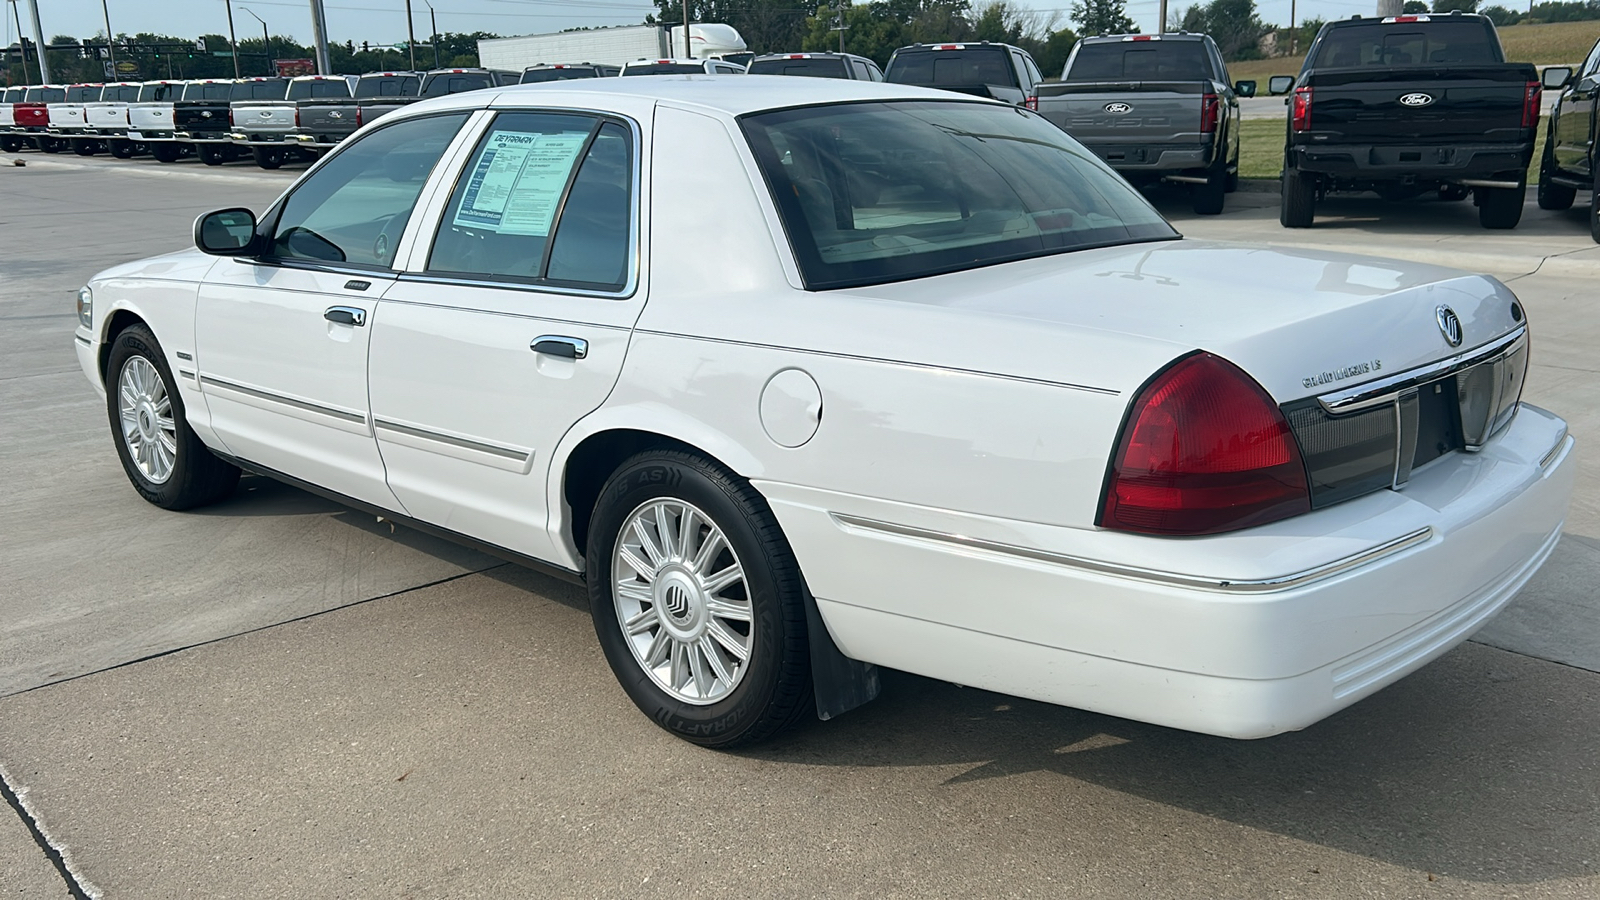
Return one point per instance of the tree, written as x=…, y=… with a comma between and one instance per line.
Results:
x=1236, y=28
x=1501, y=16
x=1103, y=17
x=1444, y=6
x=1414, y=8
x=1053, y=52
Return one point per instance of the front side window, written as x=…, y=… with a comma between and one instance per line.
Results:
x=878, y=192
x=354, y=208
x=546, y=199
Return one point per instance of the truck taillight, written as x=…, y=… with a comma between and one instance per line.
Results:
x=297, y=116
x=1300, y=110
x=1208, y=113
x=1031, y=102
x=361, y=116
x=231, y=119
x=1530, y=104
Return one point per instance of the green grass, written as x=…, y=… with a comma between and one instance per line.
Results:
x=1261, y=149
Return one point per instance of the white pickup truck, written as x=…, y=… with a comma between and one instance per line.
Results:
x=265, y=124
x=10, y=143
x=66, y=118
x=106, y=120
x=151, y=121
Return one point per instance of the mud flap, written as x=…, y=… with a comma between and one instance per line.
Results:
x=839, y=682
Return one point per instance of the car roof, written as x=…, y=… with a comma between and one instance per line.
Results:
x=734, y=96
x=1129, y=38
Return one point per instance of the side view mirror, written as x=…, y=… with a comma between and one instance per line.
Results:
x=1556, y=77
x=1245, y=88
x=227, y=232
x=1280, y=84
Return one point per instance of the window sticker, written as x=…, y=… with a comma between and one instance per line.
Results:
x=518, y=182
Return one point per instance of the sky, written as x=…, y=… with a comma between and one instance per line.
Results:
x=384, y=21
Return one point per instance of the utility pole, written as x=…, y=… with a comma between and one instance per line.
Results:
x=1161, y=23
x=319, y=37
x=232, y=41
x=38, y=42
x=111, y=43
x=22, y=41
x=433, y=41
x=688, y=51
x=266, y=42
x=411, y=37
x=1294, y=33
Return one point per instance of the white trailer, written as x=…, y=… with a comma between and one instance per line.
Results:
x=608, y=46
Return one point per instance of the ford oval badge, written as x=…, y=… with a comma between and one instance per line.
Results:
x=1118, y=109
x=1449, y=324
x=1416, y=99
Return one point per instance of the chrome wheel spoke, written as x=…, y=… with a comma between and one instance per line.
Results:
x=725, y=636
x=644, y=569
x=708, y=649
x=728, y=609
x=659, y=645
x=707, y=551
x=643, y=622
x=697, y=668
x=716, y=584
x=648, y=544
x=664, y=529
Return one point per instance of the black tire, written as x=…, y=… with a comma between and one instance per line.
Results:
x=1502, y=207
x=1233, y=180
x=85, y=148
x=1298, y=207
x=267, y=157
x=165, y=151
x=774, y=690
x=50, y=145
x=10, y=145
x=1208, y=198
x=1552, y=195
x=197, y=477
x=211, y=156
x=120, y=149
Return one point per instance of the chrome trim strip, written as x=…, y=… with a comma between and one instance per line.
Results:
x=1232, y=586
x=185, y=373
x=1553, y=452
x=330, y=411
x=1385, y=390
x=520, y=456
x=185, y=356
x=893, y=362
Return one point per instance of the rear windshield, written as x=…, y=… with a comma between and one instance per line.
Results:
x=1141, y=60
x=948, y=67
x=389, y=86
x=46, y=95
x=83, y=94
x=222, y=90
x=455, y=83
x=126, y=93
x=566, y=73
x=14, y=95
x=810, y=68
x=666, y=69
x=1409, y=44
x=155, y=92
x=259, y=90
x=877, y=192
x=332, y=88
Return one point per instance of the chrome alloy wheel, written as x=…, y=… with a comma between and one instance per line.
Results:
x=148, y=429
x=682, y=600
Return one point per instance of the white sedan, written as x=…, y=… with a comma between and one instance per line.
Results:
x=806, y=377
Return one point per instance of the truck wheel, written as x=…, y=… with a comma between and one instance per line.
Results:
x=10, y=145
x=1299, y=200
x=267, y=157
x=49, y=145
x=165, y=151
x=85, y=148
x=1502, y=207
x=1208, y=197
x=698, y=601
x=167, y=463
x=120, y=149
x=1552, y=195
x=211, y=156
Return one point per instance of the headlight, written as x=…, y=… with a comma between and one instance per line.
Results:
x=86, y=307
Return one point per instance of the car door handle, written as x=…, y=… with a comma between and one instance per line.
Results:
x=346, y=315
x=557, y=345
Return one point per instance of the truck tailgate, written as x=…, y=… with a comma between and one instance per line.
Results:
x=1158, y=112
x=107, y=115
x=264, y=116
x=341, y=115
x=1477, y=103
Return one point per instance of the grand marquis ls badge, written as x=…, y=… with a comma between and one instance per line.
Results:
x=1449, y=324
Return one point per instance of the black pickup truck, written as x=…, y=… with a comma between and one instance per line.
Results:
x=1408, y=104
x=1569, y=163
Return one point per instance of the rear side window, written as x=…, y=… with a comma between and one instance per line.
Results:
x=319, y=90
x=952, y=67
x=878, y=192
x=1141, y=60
x=546, y=199
x=1413, y=44
x=809, y=68
x=441, y=85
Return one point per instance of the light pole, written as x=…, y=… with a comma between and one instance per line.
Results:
x=433, y=21
x=319, y=36
x=111, y=46
x=38, y=42
x=411, y=37
x=688, y=51
x=233, y=42
x=266, y=42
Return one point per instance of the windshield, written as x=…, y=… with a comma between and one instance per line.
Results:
x=46, y=95
x=154, y=92
x=388, y=86
x=877, y=192
x=811, y=68
x=83, y=94
x=941, y=67
x=455, y=83
x=219, y=90
x=319, y=89
x=1141, y=60
x=1412, y=44
x=666, y=69
x=259, y=90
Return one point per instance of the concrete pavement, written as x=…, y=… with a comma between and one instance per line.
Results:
x=424, y=721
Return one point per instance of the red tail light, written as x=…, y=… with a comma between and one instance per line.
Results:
x=1208, y=113
x=361, y=116
x=1530, y=104
x=232, y=120
x=297, y=116
x=1300, y=111
x=1204, y=450
x=1031, y=102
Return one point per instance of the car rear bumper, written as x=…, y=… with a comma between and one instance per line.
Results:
x=198, y=137
x=149, y=135
x=1406, y=162
x=258, y=139
x=1154, y=159
x=1241, y=635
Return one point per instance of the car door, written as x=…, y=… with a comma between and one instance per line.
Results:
x=511, y=324
x=281, y=341
x=1575, y=126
